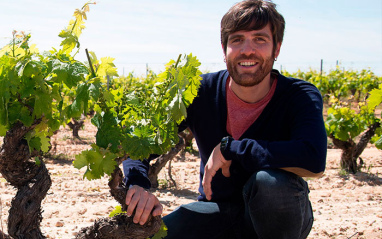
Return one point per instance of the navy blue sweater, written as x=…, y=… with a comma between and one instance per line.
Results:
x=290, y=132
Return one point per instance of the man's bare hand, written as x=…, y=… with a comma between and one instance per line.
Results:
x=143, y=202
x=215, y=162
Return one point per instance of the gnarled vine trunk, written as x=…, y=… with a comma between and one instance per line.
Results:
x=162, y=160
x=351, y=150
x=32, y=181
x=120, y=226
x=76, y=125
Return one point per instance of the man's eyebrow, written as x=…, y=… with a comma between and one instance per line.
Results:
x=262, y=34
x=258, y=34
x=235, y=35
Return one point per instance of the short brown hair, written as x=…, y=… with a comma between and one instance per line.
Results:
x=252, y=15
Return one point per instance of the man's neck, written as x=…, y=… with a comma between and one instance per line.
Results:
x=252, y=94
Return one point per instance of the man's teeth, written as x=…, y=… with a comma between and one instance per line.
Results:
x=247, y=63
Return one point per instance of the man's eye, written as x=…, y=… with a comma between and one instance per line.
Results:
x=259, y=39
x=236, y=40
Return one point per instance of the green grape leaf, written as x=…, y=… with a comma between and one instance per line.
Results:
x=93, y=161
x=192, y=90
x=32, y=68
x=14, y=111
x=71, y=73
x=139, y=144
x=70, y=41
x=177, y=108
x=80, y=104
x=109, y=98
x=117, y=211
x=375, y=98
x=26, y=117
x=45, y=144
x=3, y=114
x=97, y=161
x=108, y=162
x=80, y=160
x=3, y=130
x=78, y=25
x=108, y=134
x=54, y=124
x=97, y=120
x=94, y=90
x=37, y=139
x=162, y=233
x=107, y=67
x=34, y=143
x=55, y=92
x=378, y=143
x=27, y=90
x=95, y=165
x=42, y=105
x=4, y=97
x=37, y=161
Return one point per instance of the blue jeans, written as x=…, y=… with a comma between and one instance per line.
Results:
x=275, y=205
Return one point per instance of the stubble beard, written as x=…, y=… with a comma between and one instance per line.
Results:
x=265, y=66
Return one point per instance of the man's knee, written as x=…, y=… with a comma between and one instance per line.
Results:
x=273, y=184
x=277, y=199
x=267, y=180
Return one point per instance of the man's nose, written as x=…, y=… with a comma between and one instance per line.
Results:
x=248, y=47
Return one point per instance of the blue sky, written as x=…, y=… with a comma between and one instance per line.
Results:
x=152, y=32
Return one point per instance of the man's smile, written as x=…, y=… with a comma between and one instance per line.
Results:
x=247, y=63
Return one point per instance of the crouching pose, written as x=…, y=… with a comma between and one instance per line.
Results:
x=258, y=134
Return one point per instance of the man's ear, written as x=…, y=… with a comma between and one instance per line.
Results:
x=277, y=50
x=224, y=53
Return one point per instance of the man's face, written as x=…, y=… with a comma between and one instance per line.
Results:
x=250, y=55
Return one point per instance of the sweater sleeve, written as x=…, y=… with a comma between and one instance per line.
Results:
x=305, y=147
x=136, y=172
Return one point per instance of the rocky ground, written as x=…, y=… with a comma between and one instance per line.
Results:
x=345, y=206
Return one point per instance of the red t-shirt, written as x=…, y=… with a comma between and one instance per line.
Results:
x=240, y=114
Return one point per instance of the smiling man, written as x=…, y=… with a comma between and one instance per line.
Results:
x=258, y=134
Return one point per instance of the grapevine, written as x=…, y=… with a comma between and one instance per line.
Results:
x=341, y=85
x=142, y=120
x=33, y=105
x=137, y=119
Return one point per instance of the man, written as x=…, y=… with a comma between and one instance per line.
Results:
x=258, y=134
